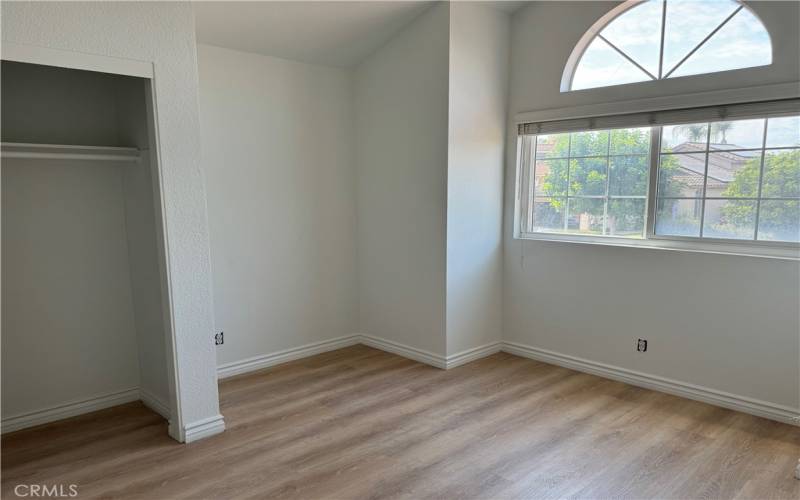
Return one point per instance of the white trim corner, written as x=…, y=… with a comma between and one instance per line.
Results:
x=470, y=355
x=421, y=355
x=154, y=403
x=204, y=428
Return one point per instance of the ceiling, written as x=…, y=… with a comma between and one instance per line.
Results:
x=330, y=33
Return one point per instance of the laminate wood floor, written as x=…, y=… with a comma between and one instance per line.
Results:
x=361, y=423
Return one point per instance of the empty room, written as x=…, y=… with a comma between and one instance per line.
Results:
x=400, y=249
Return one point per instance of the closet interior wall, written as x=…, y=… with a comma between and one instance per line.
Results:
x=82, y=303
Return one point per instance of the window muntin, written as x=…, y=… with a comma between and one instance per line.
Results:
x=592, y=182
x=658, y=39
x=720, y=181
x=736, y=179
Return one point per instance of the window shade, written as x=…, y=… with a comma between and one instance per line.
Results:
x=667, y=117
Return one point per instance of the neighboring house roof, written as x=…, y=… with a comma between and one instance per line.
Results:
x=722, y=163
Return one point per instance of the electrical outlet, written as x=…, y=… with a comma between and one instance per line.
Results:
x=641, y=345
x=219, y=338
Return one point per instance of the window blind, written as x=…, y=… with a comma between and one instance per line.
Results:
x=666, y=117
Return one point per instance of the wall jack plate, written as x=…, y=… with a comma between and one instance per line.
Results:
x=219, y=338
x=641, y=345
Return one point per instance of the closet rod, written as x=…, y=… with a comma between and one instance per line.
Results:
x=68, y=152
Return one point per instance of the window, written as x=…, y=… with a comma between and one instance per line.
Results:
x=591, y=182
x=657, y=39
x=722, y=181
x=730, y=179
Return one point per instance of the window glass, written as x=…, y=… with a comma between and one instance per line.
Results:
x=699, y=36
x=783, y=132
x=732, y=219
x=733, y=180
x=778, y=220
x=548, y=214
x=733, y=187
x=678, y=217
x=628, y=175
x=601, y=66
x=592, y=182
x=634, y=35
x=688, y=22
x=781, y=174
x=686, y=135
x=741, y=43
x=739, y=134
x=681, y=175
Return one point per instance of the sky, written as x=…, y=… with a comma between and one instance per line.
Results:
x=741, y=42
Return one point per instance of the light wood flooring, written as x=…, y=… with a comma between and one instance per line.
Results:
x=361, y=423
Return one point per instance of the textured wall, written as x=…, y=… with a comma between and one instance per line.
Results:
x=278, y=153
x=479, y=52
x=401, y=148
x=164, y=34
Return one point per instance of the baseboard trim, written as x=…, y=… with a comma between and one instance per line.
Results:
x=690, y=391
x=275, y=358
x=216, y=424
x=405, y=351
x=154, y=403
x=429, y=358
x=34, y=418
x=473, y=354
x=203, y=428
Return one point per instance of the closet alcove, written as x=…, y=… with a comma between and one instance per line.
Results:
x=83, y=311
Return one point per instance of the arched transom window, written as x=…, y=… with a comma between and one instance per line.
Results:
x=657, y=39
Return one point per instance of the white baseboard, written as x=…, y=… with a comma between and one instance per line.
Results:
x=427, y=357
x=23, y=421
x=690, y=391
x=216, y=424
x=469, y=355
x=275, y=358
x=203, y=428
x=154, y=403
x=423, y=356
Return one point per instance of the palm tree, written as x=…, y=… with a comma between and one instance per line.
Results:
x=721, y=128
x=694, y=132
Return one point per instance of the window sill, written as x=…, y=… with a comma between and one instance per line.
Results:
x=781, y=251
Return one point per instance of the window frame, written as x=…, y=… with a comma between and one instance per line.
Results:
x=575, y=57
x=523, y=229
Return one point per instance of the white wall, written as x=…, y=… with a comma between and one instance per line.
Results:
x=722, y=322
x=143, y=255
x=162, y=33
x=401, y=155
x=68, y=320
x=278, y=157
x=146, y=282
x=478, y=90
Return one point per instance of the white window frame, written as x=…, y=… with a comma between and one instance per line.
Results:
x=523, y=217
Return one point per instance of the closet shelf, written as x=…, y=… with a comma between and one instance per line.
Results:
x=67, y=152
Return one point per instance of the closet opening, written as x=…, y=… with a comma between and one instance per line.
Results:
x=85, y=302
